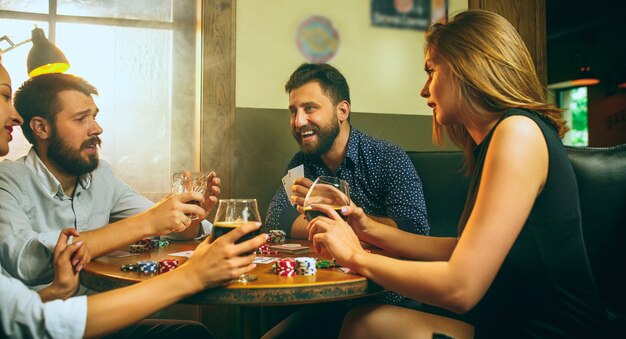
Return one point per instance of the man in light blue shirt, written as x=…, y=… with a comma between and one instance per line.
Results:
x=62, y=183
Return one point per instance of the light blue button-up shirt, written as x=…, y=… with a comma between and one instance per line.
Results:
x=23, y=315
x=34, y=209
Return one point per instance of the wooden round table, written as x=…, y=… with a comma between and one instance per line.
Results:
x=269, y=289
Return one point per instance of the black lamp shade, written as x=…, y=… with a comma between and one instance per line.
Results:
x=45, y=57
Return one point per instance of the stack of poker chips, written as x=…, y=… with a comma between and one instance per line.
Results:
x=265, y=249
x=138, y=248
x=285, y=267
x=147, y=267
x=305, y=266
x=130, y=268
x=146, y=244
x=166, y=265
x=323, y=263
x=277, y=236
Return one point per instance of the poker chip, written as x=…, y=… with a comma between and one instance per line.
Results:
x=265, y=249
x=130, y=268
x=285, y=267
x=323, y=263
x=147, y=267
x=305, y=266
x=154, y=243
x=145, y=242
x=138, y=248
x=163, y=243
x=277, y=236
x=166, y=265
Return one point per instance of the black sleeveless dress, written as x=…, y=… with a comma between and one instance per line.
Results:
x=544, y=288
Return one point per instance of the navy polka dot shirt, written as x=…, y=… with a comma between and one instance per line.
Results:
x=381, y=178
x=382, y=181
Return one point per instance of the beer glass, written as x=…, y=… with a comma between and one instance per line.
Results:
x=326, y=190
x=187, y=181
x=232, y=213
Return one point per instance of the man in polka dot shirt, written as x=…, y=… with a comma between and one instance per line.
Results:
x=381, y=177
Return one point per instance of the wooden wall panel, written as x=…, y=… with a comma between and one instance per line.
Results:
x=529, y=18
x=218, y=90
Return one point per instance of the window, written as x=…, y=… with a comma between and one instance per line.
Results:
x=141, y=55
x=574, y=101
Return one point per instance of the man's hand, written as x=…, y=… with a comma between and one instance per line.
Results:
x=69, y=260
x=300, y=188
x=171, y=213
x=211, y=193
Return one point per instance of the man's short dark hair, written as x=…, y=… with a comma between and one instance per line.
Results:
x=332, y=82
x=38, y=96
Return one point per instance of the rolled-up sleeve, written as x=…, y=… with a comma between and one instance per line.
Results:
x=24, y=315
x=24, y=253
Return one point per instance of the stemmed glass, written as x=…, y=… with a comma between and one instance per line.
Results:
x=187, y=181
x=232, y=213
x=329, y=191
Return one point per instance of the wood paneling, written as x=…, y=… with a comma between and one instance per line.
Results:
x=218, y=90
x=529, y=18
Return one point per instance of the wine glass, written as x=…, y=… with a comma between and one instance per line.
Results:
x=329, y=191
x=187, y=181
x=232, y=213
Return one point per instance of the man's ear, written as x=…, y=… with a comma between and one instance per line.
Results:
x=40, y=127
x=343, y=110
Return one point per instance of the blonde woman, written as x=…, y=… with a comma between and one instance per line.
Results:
x=519, y=266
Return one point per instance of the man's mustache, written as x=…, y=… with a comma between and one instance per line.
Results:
x=93, y=141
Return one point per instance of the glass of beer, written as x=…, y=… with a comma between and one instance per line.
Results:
x=187, y=181
x=232, y=213
x=326, y=190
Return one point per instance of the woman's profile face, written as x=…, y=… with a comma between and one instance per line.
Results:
x=440, y=92
x=8, y=115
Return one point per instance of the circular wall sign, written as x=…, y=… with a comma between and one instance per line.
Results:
x=317, y=39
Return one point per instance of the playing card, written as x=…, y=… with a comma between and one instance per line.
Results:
x=290, y=177
x=296, y=172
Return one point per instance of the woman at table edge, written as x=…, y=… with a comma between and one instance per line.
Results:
x=510, y=272
x=24, y=313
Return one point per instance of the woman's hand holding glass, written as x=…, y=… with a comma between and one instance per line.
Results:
x=233, y=214
x=223, y=260
x=326, y=190
x=334, y=234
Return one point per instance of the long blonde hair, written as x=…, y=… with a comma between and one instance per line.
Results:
x=493, y=70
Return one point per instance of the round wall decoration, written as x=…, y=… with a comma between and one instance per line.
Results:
x=317, y=39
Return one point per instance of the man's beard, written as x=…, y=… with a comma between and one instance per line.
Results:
x=326, y=136
x=69, y=159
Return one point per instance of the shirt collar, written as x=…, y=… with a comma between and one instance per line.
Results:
x=353, y=146
x=47, y=179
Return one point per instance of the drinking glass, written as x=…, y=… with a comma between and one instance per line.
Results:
x=232, y=213
x=187, y=181
x=329, y=191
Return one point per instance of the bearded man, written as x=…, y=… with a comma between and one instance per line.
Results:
x=62, y=183
x=381, y=177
